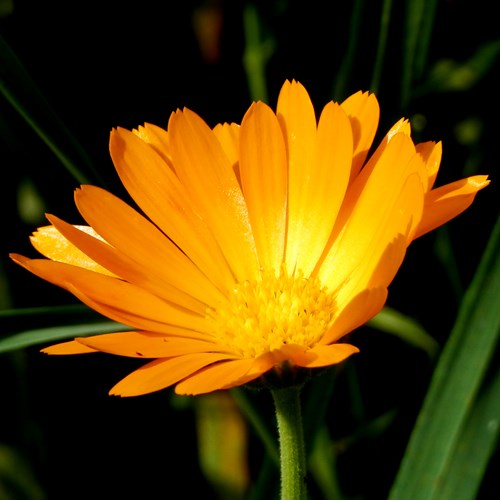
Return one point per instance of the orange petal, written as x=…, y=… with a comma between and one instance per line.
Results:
x=221, y=375
x=157, y=138
x=326, y=355
x=363, y=111
x=207, y=174
x=296, y=115
x=388, y=246
x=357, y=312
x=162, y=373
x=229, y=138
x=402, y=126
x=52, y=244
x=431, y=153
x=114, y=298
x=146, y=249
x=263, y=172
x=389, y=261
x=324, y=191
x=159, y=193
x=293, y=353
x=146, y=345
x=377, y=216
x=141, y=273
x=446, y=202
x=71, y=347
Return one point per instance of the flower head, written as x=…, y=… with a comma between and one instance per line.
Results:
x=259, y=245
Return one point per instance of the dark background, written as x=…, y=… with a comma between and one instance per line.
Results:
x=106, y=64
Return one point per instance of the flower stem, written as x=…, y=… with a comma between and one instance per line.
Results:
x=292, y=448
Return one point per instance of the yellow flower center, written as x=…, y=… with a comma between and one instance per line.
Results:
x=265, y=314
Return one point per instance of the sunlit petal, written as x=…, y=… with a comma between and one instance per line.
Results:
x=446, y=202
x=53, y=245
x=265, y=189
x=206, y=172
x=167, y=203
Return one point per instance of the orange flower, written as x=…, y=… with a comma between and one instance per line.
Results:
x=263, y=246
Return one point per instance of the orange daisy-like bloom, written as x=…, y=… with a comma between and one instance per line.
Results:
x=262, y=244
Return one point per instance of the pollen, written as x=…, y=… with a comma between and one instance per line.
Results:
x=265, y=314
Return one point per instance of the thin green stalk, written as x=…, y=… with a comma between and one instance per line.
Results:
x=252, y=415
x=258, y=50
x=61, y=156
x=344, y=74
x=382, y=43
x=292, y=447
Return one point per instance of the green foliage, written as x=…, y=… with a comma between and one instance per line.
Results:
x=443, y=453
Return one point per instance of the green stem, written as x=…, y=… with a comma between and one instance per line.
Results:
x=258, y=50
x=256, y=421
x=292, y=448
x=382, y=44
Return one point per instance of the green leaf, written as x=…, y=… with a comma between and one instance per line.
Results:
x=385, y=23
x=407, y=329
x=259, y=47
x=453, y=393
x=57, y=333
x=36, y=313
x=322, y=465
x=21, y=92
x=340, y=87
x=477, y=444
x=418, y=32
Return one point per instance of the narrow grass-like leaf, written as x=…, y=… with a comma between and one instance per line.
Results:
x=455, y=384
x=322, y=465
x=38, y=312
x=477, y=443
x=260, y=427
x=407, y=329
x=57, y=333
x=424, y=38
x=415, y=10
x=385, y=18
x=21, y=92
x=259, y=47
x=340, y=89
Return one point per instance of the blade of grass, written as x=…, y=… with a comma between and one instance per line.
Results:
x=20, y=91
x=258, y=50
x=57, y=333
x=339, y=90
x=415, y=13
x=407, y=329
x=477, y=443
x=258, y=424
x=424, y=37
x=76, y=309
x=455, y=384
x=382, y=43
